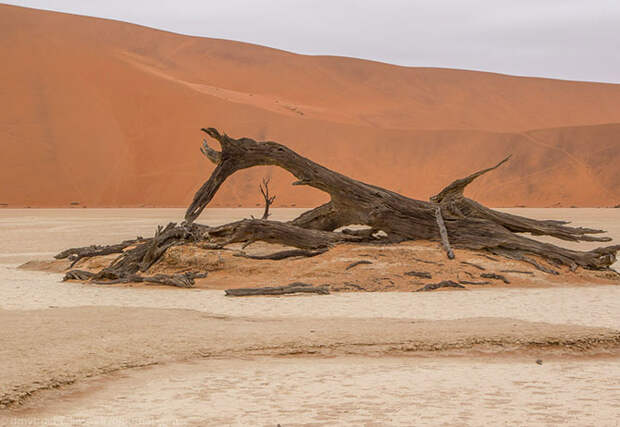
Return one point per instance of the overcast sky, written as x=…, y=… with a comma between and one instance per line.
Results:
x=568, y=39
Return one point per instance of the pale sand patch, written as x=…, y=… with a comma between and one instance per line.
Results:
x=44, y=349
x=394, y=391
x=585, y=305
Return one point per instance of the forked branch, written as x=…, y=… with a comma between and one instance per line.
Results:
x=269, y=199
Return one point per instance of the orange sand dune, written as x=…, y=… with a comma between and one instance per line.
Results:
x=107, y=114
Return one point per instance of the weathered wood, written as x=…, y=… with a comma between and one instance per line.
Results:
x=469, y=225
x=449, y=217
x=291, y=253
x=443, y=233
x=420, y=274
x=139, y=258
x=76, y=254
x=356, y=263
x=479, y=267
x=425, y=261
x=517, y=272
x=443, y=284
x=456, y=188
x=453, y=199
x=520, y=256
x=163, y=239
x=354, y=286
x=495, y=277
x=469, y=282
x=77, y=275
x=252, y=230
x=293, y=288
x=182, y=280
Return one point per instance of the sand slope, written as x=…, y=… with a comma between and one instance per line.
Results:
x=107, y=114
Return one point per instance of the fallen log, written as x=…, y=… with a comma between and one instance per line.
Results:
x=293, y=288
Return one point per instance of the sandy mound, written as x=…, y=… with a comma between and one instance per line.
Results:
x=104, y=113
x=408, y=266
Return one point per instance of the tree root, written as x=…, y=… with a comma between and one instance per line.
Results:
x=77, y=275
x=76, y=254
x=146, y=252
x=292, y=253
x=469, y=282
x=420, y=274
x=479, y=267
x=425, y=261
x=182, y=280
x=517, y=272
x=519, y=256
x=356, y=263
x=443, y=284
x=495, y=277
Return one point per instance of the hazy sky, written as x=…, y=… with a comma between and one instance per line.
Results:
x=569, y=39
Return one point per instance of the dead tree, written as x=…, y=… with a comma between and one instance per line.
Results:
x=269, y=199
x=449, y=217
x=468, y=224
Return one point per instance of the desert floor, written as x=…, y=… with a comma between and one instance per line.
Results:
x=81, y=354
